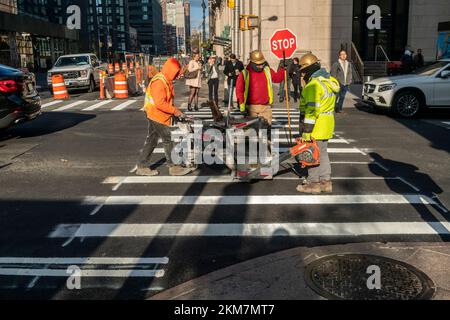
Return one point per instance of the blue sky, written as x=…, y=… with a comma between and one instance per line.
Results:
x=197, y=13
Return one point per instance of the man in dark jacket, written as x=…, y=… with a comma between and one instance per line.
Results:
x=342, y=70
x=233, y=69
x=419, y=60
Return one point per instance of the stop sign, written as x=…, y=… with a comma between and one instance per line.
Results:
x=283, y=40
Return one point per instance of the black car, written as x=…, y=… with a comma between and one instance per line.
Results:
x=19, y=100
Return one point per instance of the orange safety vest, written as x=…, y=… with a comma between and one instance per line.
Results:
x=150, y=107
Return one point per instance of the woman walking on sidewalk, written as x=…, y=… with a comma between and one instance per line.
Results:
x=196, y=83
x=212, y=71
x=294, y=73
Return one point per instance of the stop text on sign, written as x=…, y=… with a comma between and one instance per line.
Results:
x=284, y=44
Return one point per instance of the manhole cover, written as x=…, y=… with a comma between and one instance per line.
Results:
x=366, y=277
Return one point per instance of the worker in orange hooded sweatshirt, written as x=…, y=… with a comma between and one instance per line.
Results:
x=159, y=107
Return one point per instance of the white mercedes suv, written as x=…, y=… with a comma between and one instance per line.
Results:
x=408, y=94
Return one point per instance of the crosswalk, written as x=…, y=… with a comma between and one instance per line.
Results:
x=134, y=104
x=183, y=219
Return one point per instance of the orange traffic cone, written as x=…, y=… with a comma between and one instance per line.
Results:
x=59, y=87
x=116, y=67
x=102, y=84
x=110, y=68
x=120, y=86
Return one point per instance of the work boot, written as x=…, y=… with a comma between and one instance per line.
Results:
x=179, y=171
x=310, y=188
x=326, y=186
x=147, y=172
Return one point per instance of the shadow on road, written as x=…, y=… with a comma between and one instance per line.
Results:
x=47, y=123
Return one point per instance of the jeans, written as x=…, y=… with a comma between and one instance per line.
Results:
x=323, y=171
x=213, y=85
x=341, y=98
x=156, y=130
x=230, y=93
x=282, y=90
x=297, y=91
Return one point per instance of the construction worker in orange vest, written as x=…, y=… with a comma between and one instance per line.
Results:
x=159, y=108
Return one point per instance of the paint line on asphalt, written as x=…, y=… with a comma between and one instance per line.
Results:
x=49, y=104
x=282, y=150
x=98, y=105
x=123, y=105
x=84, y=261
x=84, y=273
x=211, y=179
x=259, y=200
x=71, y=105
x=265, y=230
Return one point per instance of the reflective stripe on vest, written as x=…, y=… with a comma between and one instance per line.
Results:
x=246, y=74
x=149, y=101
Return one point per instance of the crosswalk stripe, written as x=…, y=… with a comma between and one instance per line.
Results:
x=98, y=105
x=85, y=273
x=259, y=200
x=210, y=179
x=123, y=105
x=71, y=105
x=282, y=150
x=81, y=261
x=264, y=230
x=282, y=140
x=49, y=104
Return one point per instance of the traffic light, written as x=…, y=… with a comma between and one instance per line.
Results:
x=231, y=4
x=248, y=22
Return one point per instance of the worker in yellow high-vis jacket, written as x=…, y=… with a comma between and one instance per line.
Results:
x=317, y=105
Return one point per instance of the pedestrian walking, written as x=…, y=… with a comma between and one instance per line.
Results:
x=342, y=70
x=317, y=105
x=419, y=60
x=407, y=61
x=159, y=108
x=212, y=77
x=254, y=88
x=294, y=74
x=281, y=90
x=194, y=82
x=233, y=68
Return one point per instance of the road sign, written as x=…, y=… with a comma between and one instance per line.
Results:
x=283, y=40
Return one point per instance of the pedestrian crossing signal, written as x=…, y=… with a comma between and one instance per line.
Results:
x=249, y=22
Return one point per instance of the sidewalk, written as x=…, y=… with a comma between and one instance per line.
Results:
x=280, y=276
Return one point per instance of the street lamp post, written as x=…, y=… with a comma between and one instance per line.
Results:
x=204, y=21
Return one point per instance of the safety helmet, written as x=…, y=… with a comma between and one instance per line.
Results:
x=308, y=60
x=257, y=57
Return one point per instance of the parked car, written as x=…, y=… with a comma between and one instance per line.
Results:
x=80, y=71
x=407, y=95
x=19, y=100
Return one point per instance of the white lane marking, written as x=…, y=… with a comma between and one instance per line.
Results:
x=81, y=261
x=446, y=123
x=211, y=179
x=280, y=140
x=123, y=105
x=266, y=230
x=260, y=200
x=282, y=150
x=85, y=273
x=98, y=105
x=71, y=105
x=51, y=103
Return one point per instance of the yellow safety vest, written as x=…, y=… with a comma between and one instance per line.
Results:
x=317, y=103
x=246, y=74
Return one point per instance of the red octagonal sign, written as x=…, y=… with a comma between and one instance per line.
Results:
x=283, y=40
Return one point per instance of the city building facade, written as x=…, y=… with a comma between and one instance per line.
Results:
x=326, y=26
x=34, y=34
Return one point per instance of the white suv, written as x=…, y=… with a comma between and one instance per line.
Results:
x=406, y=95
x=80, y=71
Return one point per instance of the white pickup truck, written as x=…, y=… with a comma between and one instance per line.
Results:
x=80, y=71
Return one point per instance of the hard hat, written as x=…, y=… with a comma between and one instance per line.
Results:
x=257, y=57
x=308, y=60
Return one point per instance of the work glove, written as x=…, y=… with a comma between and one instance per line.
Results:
x=306, y=137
